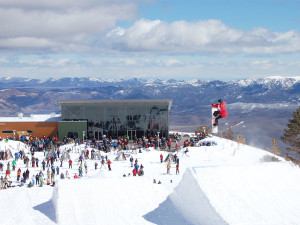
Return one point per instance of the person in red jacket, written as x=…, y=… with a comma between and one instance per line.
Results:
x=134, y=172
x=221, y=113
x=70, y=164
x=109, y=163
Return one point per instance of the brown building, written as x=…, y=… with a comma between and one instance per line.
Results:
x=35, y=125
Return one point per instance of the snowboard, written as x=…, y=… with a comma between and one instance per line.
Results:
x=214, y=129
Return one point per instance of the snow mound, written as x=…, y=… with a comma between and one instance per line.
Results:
x=248, y=195
x=13, y=146
x=18, y=201
x=77, y=203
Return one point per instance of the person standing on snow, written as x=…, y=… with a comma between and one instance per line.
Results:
x=177, y=169
x=70, y=164
x=48, y=174
x=168, y=168
x=37, y=162
x=102, y=163
x=44, y=165
x=131, y=161
x=221, y=113
x=14, y=165
x=108, y=164
x=37, y=179
x=85, y=165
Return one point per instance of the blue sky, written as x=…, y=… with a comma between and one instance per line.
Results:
x=277, y=15
x=178, y=39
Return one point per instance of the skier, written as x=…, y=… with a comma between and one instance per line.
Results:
x=221, y=113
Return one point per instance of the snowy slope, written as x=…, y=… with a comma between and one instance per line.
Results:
x=111, y=200
x=223, y=184
x=234, y=195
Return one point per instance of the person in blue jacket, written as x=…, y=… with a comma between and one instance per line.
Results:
x=16, y=156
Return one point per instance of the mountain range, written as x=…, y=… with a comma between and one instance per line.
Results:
x=259, y=109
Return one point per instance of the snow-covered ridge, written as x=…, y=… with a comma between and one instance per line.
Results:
x=286, y=82
x=243, y=106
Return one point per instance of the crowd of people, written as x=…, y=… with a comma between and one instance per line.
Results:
x=41, y=159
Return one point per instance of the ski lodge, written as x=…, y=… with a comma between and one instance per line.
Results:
x=94, y=119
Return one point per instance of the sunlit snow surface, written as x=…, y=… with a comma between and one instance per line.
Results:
x=223, y=184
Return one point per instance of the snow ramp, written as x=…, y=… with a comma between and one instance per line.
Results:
x=261, y=194
x=106, y=200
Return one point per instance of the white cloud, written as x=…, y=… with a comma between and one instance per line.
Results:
x=59, y=23
x=263, y=64
x=75, y=26
x=129, y=62
x=2, y=60
x=209, y=36
x=173, y=62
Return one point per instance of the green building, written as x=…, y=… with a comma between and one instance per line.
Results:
x=114, y=118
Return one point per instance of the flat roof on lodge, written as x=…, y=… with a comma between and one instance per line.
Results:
x=118, y=102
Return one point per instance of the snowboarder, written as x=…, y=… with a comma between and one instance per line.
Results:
x=221, y=113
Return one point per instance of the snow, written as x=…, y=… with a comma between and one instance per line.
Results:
x=32, y=118
x=103, y=195
x=228, y=183
x=252, y=106
x=296, y=78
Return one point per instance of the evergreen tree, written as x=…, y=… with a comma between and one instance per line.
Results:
x=203, y=129
x=291, y=135
x=228, y=134
x=240, y=139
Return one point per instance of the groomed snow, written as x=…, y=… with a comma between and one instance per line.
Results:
x=223, y=184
